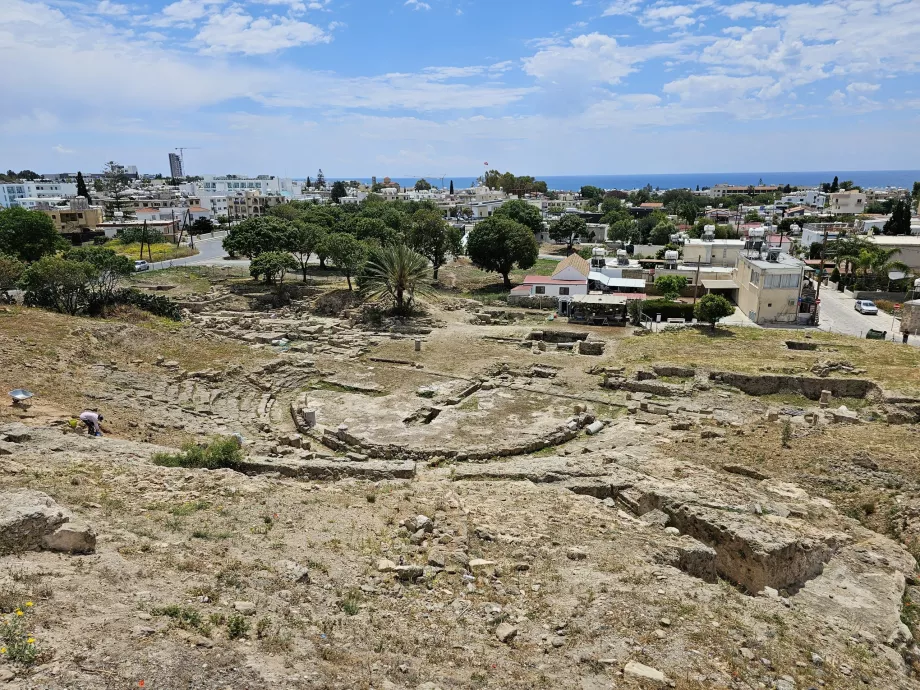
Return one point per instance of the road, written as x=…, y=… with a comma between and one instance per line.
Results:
x=839, y=316
x=210, y=253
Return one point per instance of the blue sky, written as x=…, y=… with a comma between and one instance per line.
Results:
x=423, y=87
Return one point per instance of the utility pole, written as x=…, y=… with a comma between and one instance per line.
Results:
x=696, y=283
x=820, y=276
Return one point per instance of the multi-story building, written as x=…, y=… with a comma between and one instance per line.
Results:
x=231, y=184
x=175, y=166
x=721, y=190
x=251, y=204
x=76, y=217
x=851, y=202
x=38, y=189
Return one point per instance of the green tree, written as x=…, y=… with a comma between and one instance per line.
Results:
x=222, y=220
x=835, y=185
x=592, y=193
x=338, y=191
x=522, y=212
x=347, y=253
x=451, y=187
x=622, y=230
x=28, y=235
x=710, y=308
x=115, y=184
x=661, y=233
x=202, y=226
x=284, y=211
x=670, y=286
x=11, y=270
x=369, y=229
x=57, y=283
x=899, y=223
x=303, y=240
x=752, y=217
x=81, y=188
x=498, y=243
x=422, y=185
x=915, y=194
x=568, y=228
x=256, y=235
x=434, y=238
x=397, y=272
x=110, y=269
x=273, y=267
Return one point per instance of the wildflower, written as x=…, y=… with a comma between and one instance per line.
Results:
x=31, y=640
x=19, y=612
x=2, y=650
x=29, y=604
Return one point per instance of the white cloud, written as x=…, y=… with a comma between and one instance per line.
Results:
x=236, y=32
x=596, y=58
x=622, y=7
x=114, y=9
x=862, y=87
x=185, y=12
x=417, y=5
x=59, y=148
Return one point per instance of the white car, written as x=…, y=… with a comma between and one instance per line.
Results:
x=865, y=306
x=141, y=266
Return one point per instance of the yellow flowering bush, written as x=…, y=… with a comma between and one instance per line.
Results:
x=16, y=642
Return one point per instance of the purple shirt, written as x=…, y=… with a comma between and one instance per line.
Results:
x=91, y=418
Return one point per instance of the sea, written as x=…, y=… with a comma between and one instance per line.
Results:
x=867, y=179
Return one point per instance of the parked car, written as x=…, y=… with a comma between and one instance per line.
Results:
x=865, y=306
x=141, y=266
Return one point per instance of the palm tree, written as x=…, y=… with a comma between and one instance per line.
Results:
x=398, y=272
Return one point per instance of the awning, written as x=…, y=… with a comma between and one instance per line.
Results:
x=720, y=285
x=616, y=282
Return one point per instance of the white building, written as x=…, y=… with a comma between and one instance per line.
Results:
x=484, y=209
x=33, y=202
x=806, y=197
x=211, y=185
x=712, y=252
x=175, y=213
x=38, y=189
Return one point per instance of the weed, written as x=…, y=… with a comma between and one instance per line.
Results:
x=786, y=433
x=237, y=627
x=351, y=602
x=216, y=619
x=262, y=627
x=183, y=617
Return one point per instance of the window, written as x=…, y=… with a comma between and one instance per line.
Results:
x=782, y=281
x=563, y=291
x=755, y=277
x=539, y=290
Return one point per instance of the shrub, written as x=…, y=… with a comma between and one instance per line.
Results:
x=835, y=275
x=237, y=626
x=787, y=433
x=139, y=234
x=223, y=451
x=710, y=308
x=16, y=642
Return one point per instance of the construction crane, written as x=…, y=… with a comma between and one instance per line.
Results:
x=182, y=150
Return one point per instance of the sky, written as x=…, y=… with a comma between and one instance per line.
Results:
x=411, y=88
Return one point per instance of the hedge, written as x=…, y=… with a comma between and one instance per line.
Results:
x=668, y=310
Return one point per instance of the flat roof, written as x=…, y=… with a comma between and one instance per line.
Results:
x=727, y=243
x=896, y=240
x=611, y=298
x=719, y=284
x=784, y=262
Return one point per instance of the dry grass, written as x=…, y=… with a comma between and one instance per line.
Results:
x=754, y=350
x=159, y=252
x=461, y=276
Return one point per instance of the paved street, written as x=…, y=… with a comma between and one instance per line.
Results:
x=839, y=316
x=210, y=253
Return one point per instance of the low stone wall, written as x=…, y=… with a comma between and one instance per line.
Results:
x=653, y=387
x=533, y=301
x=342, y=440
x=810, y=387
x=198, y=307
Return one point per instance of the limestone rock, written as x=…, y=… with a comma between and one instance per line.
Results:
x=385, y=565
x=634, y=669
x=27, y=517
x=505, y=632
x=247, y=608
x=71, y=537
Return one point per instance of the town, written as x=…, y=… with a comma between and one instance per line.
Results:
x=642, y=256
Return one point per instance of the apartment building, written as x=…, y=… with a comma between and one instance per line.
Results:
x=851, y=202
x=721, y=190
x=39, y=189
x=211, y=185
x=806, y=197
x=252, y=204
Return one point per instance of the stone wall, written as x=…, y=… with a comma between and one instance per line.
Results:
x=534, y=301
x=810, y=387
